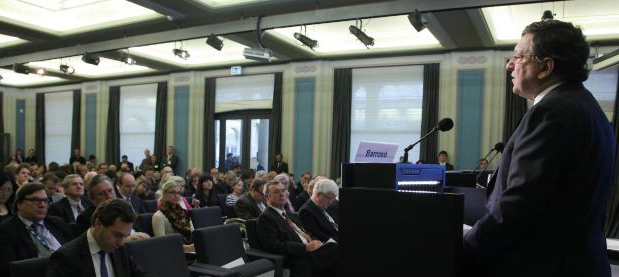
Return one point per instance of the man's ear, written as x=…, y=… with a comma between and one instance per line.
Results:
x=547, y=67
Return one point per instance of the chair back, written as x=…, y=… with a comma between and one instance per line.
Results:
x=151, y=205
x=219, y=245
x=251, y=227
x=34, y=267
x=144, y=223
x=160, y=256
x=206, y=217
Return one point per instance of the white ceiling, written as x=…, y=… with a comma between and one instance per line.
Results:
x=393, y=34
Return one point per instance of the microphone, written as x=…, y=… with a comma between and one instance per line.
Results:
x=498, y=147
x=443, y=125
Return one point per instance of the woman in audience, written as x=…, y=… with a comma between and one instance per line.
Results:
x=22, y=174
x=6, y=195
x=205, y=192
x=192, y=187
x=181, y=183
x=172, y=217
x=143, y=189
x=237, y=191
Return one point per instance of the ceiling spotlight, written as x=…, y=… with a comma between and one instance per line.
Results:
x=417, y=20
x=128, y=59
x=365, y=39
x=40, y=71
x=66, y=69
x=548, y=15
x=215, y=42
x=183, y=54
x=306, y=40
x=91, y=58
x=21, y=68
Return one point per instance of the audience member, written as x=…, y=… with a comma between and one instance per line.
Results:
x=143, y=190
x=443, y=159
x=125, y=160
x=147, y=160
x=251, y=204
x=126, y=186
x=230, y=162
x=100, y=189
x=220, y=186
x=19, y=156
x=7, y=183
x=32, y=157
x=314, y=215
x=102, y=168
x=171, y=159
x=52, y=187
x=305, y=195
x=282, y=233
x=30, y=233
x=172, y=217
x=70, y=207
x=284, y=179
x=205, y=193
x=100, y=251
x=279, y=166
x=22, y=174
x=237, y=192
x=193, y=183
x=77, y=157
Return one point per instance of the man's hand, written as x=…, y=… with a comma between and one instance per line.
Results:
x=312, y=245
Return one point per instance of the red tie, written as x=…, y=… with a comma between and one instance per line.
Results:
x=296, y=228
x=79, y=208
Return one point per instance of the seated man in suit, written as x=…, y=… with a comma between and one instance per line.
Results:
x=126, y=186
x=251, y=204
x=282, y=233
x=443, y=159
x=100, y=251
x=279, y=165
x=314, y=215
x=75, y=203
x=31, y=233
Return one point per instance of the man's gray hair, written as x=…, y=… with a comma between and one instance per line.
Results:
x=325, y=186
x=282, y=178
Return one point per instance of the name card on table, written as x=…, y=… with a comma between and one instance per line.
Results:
x=375, y=152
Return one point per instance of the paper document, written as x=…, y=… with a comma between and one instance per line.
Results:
x=234, y=263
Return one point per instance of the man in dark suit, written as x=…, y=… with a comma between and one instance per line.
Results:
x=30, y=233
x=547, y=210
x=126, y=186
x=171, y=160
x=282, y=233
x=76, y=157
x=314, y=216
x=125, y=160
x=251, y=204
x=443, y=159
x=99, y=251
x=279, y=166
x=74, y=203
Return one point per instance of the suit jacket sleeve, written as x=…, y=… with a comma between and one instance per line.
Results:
x=273, y=239
x=242, y=209
x=311, y=223
x=538, y=147
x=61, y=265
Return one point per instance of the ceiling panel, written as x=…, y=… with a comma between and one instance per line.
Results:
x=17, y=79
x=106, y=67
x=201, y=54
x=599, y=19
x=6, y=41
x=65, y=17
x=392, y=33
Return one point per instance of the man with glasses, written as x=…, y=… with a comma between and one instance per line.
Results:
x=31, y=233
x=314, y=216
x=282, y=233
x=251, y=204
x=100, y=251
x=546, y=211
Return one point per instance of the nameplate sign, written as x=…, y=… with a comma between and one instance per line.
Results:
x=375, y=152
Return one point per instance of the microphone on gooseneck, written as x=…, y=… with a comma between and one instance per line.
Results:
x=443, y=125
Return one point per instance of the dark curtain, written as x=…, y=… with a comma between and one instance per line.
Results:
x=515, y=108
x=77, y=112
x=1, y=114
x=112, y=147
x=612, y=213
x=40, y=130
x=342, y=97
x=275, y=124
x=429, y=113
x=161, y=122
x=208, y=153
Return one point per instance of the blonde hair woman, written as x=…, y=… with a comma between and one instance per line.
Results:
x=172, y=217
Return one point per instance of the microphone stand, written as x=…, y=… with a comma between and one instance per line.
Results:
x=408, y=148
x=477, y=167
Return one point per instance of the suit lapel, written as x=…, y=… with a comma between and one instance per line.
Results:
x=68, y=212
x=117, y=264
x=87, y=267
x=25, y=237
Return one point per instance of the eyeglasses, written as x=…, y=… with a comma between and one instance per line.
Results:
x=519, y=58
x=37, y=201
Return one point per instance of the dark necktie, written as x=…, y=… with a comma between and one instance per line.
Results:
x=103, y=268
x=79, y=208
x=296, y=228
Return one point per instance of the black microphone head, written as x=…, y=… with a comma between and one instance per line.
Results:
x=499, y=146
x=445, y=124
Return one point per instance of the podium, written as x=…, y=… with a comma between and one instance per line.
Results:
x=384, y=231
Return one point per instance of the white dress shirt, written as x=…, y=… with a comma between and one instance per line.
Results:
x=96, y=259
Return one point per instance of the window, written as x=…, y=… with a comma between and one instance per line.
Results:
x=58, y=126
x=386, y=107
x=603, y=86
x=137, y=120
x=242, y=110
